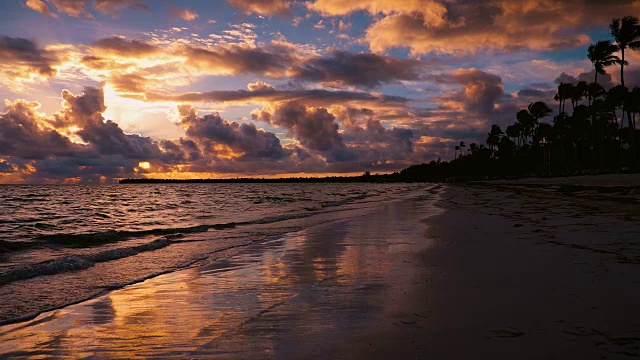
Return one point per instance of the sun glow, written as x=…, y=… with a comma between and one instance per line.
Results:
x=144, y=165
x=155, y=119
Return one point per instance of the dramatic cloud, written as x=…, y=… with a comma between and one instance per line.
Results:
x=263, y=7
x=314, y=127
x=243, y=141
x=427, y=26
x=335, y=86
x=127, y=63
x=23, y=127
x=374, y=143
x=101, y=149
x=480, y=90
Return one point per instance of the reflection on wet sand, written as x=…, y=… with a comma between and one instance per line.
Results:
x=300, y=295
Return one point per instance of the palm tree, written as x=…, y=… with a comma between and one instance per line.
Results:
x=538, y=110
x=564, y=92
x=473, y=148
x=577, y=93
x=493, y=137
x=514, y=131
x=602, y=54
x=526, y=124
x=626, y=32
x=634, y=108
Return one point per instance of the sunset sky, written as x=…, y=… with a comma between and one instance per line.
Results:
x=96, y=90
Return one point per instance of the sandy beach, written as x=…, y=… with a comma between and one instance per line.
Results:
x=491, y=270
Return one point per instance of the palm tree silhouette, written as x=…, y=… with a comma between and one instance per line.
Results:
x=564, y=92
x=514, y=131
x=493, y=137
x=538, y=110
x=577, y=93
x=602, y=54
x=626, y=32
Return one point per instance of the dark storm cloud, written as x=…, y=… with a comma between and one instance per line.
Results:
x=362, y=69
x=532, y=93
x=588, y=77
x=123, y=47
x=272, y=59
x=315, y=128
x=313, y=96
x=107, y=150
x=365, y=134
x=23, y=136
x=481, y=90
x=180, y=151
x=85, y=111
x=246, y=139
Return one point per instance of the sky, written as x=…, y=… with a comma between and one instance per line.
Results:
x=97, y=90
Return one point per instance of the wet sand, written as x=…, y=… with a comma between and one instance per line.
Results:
x=482, y=271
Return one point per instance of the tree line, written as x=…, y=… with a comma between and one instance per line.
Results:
x=593, y=129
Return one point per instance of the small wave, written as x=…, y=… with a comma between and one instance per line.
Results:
x=279, y=200
x=36, y=195
x=11, y=246
x=27, y=198
x=277, y=218
x=95, y=239
x=111, y=236
x=79, y=262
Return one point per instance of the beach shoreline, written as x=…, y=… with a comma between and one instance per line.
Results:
x=470, y=270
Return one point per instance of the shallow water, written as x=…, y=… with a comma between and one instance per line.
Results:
x=63, y=244
x=274, y=299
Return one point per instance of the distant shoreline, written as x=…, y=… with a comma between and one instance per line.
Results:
x=333, y=179
x=377, y=178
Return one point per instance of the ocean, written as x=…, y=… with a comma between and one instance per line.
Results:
x=62, y=244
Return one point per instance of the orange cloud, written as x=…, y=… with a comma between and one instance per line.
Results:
x=184, y=14
x=41, y=7
x=458, y=27
x=263, y=7
x=25, y=62
x=432, y=11
x=78, y=8
x=73, y=8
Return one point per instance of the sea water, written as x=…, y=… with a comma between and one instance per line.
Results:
x=61, y=244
